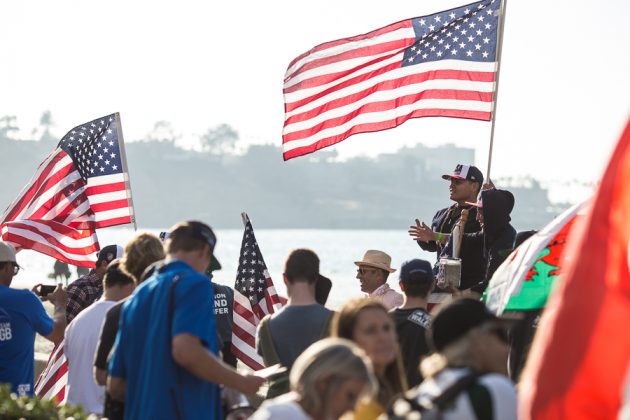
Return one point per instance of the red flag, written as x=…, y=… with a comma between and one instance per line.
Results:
x=578, y=364
x=52, y=382
x=254, y=297
x=82, y=185
x=440, y=65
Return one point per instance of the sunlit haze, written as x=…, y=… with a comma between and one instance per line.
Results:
x=564, y=90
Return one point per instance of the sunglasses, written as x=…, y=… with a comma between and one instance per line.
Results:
x=16, y=268
x=366, y=270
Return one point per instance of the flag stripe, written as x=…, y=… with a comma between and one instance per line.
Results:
x=347, y=49
x=360, y=89
x=430, y=99
x=52, y=382
x=28, y=192
x=254, y=363
x=33, y=237
x=299, y=148
x=337, y=69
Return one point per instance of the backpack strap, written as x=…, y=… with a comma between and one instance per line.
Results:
x=410, y=404
x=269, y=352
x=326, y=327
x=171, y=313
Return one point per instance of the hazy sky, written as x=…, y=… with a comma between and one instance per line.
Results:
x=564, y=85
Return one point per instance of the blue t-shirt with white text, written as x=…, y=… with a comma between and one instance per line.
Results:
x=156, y=387
x=21, y=316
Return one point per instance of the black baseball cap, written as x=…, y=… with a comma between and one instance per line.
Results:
x=110, y=253
x=465, y=172
x=416, y=270
x=199, y=230
x=455, y=319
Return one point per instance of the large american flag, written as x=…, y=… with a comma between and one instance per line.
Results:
x=440, y=65
x=82, y=185
x=254, y=297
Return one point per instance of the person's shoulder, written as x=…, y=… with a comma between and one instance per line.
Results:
x=22, y=296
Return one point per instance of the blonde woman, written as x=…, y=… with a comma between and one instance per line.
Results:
x=140, y=252
x=369, y=325
x=326, y=380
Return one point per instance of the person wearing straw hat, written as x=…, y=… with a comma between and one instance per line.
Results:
x=372, y=273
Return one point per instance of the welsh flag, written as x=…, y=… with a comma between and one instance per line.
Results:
x=578, y=364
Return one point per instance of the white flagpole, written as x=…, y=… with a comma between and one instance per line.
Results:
x=501, y=12
x=244, y=218
x=123, y=159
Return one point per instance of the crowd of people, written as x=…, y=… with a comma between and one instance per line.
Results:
x=148, y=334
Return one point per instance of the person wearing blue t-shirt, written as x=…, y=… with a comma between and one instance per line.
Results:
x=165, y=364
x=21, y=316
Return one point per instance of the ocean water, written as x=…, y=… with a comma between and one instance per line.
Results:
x=337, y=250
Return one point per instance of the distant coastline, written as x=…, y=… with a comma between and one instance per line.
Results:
x=390, y=191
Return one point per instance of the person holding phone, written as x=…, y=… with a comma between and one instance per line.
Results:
x=22, y=314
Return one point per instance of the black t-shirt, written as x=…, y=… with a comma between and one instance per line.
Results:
x=411, y=326
x=108, y=335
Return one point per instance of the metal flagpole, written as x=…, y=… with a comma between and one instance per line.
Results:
x=502, y=11
x=123, y=159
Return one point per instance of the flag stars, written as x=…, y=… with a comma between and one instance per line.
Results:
x=485, y=54
x=486, y=40
x=422, y=22
x=438, y=18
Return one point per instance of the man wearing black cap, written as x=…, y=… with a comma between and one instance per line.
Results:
x=467, y=376
x=412, y=319
x=465, y=183
x=166, y=363
x=88, y=289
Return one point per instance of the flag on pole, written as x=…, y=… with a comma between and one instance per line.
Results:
x=440, y=65
x=52, y=382
x=82, y=185
x=254, y=297
x=579, y=362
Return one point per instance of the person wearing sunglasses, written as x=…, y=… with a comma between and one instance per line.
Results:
x=373, y=271
x=22, y=314
x=466, y=377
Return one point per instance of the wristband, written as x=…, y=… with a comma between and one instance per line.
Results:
x=439, y=237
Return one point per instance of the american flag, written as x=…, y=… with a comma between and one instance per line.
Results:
x=440, y=65
x=52, y=382
x=82, y=185
x=254, y=297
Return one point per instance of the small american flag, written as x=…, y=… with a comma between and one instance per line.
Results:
x=441, y=65
x=52, y=382
x=254, y=297
x=82, y=185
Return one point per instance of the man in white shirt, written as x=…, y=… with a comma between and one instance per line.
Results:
x=372, y=273
x=82, y=336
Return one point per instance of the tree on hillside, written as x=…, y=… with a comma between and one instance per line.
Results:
x=220, y=140
x=45, y=123
x=163, y=131
x=8, y=126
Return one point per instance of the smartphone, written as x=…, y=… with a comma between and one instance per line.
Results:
x=46, y=290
